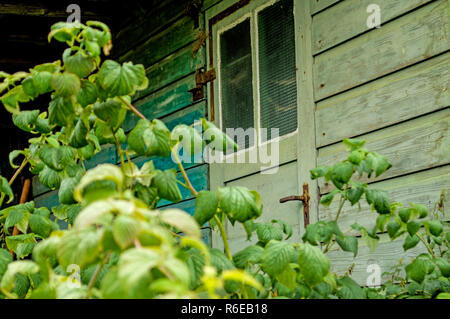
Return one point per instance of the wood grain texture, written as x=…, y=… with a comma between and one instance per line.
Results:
x=410, y=39
x=348, y=19
x=411, y=146
x=386, y=255
x=318, y=5
x=172, y=68
x=421, y=188
x=162, y=102
x=414, y=91
x=146, y=24
x=176, y=36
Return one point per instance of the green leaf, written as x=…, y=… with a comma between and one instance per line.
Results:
x=61, y=110
x=78, y=137
x=166, y=182
x=24, y=267
x=419, y=268
x=40, y=225
x=327, y=199
x=355, y=192
x=80, y=247
x=251, y=255
x=65, y=84
x=134, y=268
x=12, y=98
x=410, y=242
x=267, y=232
x=57, y=158
x=404, y=214
x=49, y=178
x=5, y=188
x=120, y=80
x=103, y=172
x=341, y=174
x=148, y=195
x=353, y=144
x=435, y=227
x=422, y=210
x=392, y=229
x=314, y=265
x=182, y=221
x=239, y=203
x=25, y=119
x=12, y=242
x=125, y=229
x=348, y=243
x=66, y=190
x=79, y=63
x=413, y=227
x=320, y=171
x=276, y=257
x=379, y=200
x=14, y=217
x=287, y=277
x=189, y=138
x=219, y=260
x=206, y=204
x=444, y=266
x=150, y=138
x=350, y=289
x=87, y=94
x=378, y=163
x=111, y=112
x=320, y=231
x=356, y=157
x=5, y=259
x=216, y=139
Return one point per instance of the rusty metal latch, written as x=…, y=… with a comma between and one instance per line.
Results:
x=202, y=77
x=304, y=198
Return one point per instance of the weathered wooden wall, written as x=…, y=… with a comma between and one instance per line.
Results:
x=389, y=86
x=162, y=38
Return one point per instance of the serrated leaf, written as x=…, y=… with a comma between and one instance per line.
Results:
x=40, y=225
x=319, y=171
x=24, y=267
x=49, y=178
x=166, y=183
x=327, y=199
x=87, y=94
x=25, y=119
x=57, y=158
x=111, y=112
x=206, y=204
x=125, y=229
x=379, y=201
x=5, y=188
x=103, y=172
x=66, y=190
x=61, y=110
x=410, y=242
x=267, y=232
x=80, y=64
x=65, y=84
x=348, y=243
x=121, y=80
x=413, y=227
x=314, y=265
x=150, y=138
x=239, y=203
x=341, y=174
x=248, y=256
x=392, y=228
x=182, y=221
x=276, y=257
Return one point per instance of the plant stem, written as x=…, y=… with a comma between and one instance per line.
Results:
x=13, y=178
x=96, y=273
x=341, y=205
x=426, y=245
x=183, y=172
x=119, y=149
x=224, y=237
x=133, y=109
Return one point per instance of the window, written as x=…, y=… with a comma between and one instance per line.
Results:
x=260, y=47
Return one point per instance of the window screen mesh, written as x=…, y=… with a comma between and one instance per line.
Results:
x=278, y=91
x=236, y=81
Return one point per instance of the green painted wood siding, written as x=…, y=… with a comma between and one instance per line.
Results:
x=391, y=87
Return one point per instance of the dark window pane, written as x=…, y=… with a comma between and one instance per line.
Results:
x=278, y=90
x=236, y=80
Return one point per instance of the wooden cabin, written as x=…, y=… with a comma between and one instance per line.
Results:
x=319, y=70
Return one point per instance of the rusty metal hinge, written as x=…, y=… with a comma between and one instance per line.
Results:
x=202, y=77
x=305, y=198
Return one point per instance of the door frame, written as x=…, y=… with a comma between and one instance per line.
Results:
x=305, y=152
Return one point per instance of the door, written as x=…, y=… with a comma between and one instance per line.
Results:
x=262, y=98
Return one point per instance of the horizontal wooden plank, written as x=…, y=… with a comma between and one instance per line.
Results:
x=148, y=23
x=318, y=5
x=199, y=180
x=410, y=39
x=172, y=68
x=386, y=255
x=348, y=19
x=162, y=102
x=49, y=199
x=411, y=146
x=186, y=205
x=178, y=35
x=421, y=188
x=417, y=90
